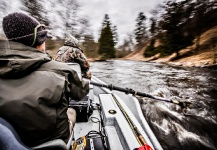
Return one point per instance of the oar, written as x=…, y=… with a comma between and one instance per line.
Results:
x=182, y=104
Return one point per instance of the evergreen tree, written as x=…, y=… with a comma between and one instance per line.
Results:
x=173, y=20
x=149, y=50
x=201, y=7
x=153, y=27
x=115, y=34
x=106, y=21
x=106, y=42
x=140, y=31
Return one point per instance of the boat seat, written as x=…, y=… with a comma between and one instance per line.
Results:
x=57, y=144
x=10, y=140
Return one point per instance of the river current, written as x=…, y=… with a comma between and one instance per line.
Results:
x=192, y=128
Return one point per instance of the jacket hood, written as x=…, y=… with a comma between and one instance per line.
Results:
x=17, y=60
x=71, y=41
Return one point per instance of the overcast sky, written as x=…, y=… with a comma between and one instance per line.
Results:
x=122, y=13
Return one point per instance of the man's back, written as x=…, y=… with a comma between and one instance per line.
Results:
x=34, y=93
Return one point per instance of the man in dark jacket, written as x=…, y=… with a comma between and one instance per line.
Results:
x=34, y=90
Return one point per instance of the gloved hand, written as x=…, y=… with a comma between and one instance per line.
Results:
x=87, y=75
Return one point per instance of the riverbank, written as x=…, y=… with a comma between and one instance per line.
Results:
x=205, y=56
x=204, y=59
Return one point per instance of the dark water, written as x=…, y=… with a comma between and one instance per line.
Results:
x=193, y=128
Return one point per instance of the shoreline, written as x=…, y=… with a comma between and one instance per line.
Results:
x=202, y=64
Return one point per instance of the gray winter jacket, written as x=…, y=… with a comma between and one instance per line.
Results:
x=34, y=93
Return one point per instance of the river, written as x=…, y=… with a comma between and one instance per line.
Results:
x=192, y=128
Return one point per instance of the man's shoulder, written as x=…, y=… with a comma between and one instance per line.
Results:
x=55, y=65
x=64, y=47
x=60, y=66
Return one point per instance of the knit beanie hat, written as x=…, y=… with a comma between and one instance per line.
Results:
x=24, y=29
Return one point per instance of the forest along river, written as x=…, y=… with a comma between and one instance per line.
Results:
x=176, y=129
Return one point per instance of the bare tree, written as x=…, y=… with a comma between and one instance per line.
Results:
x=36, y=9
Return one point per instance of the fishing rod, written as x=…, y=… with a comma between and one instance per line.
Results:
x=182, y=104
x=138, y=135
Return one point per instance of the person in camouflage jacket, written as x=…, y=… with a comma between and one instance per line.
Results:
x=71, y=52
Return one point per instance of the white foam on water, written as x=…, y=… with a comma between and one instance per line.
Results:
x=163, y=127
x=165, y=108
x=184, y=135
x=202, y=113
x=206, y=114
x=160, y=92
